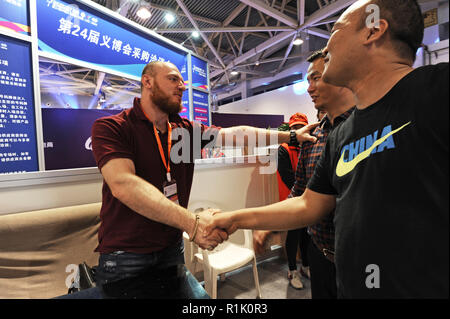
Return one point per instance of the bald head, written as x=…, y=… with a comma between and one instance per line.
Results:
x=404, y=17
x=154, y=67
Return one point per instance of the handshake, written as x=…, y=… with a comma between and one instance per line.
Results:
x=212, y=228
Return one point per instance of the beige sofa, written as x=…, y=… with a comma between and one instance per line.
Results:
x=39, y=250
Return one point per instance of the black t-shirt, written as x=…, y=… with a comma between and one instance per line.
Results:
x=391, y=186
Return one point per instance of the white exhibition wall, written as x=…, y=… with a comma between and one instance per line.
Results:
x=284, y=101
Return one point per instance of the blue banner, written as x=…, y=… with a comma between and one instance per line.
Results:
x=199, y=74
x=18, y=151
x=185, y=111
x=71, y=29
x=67, y=137
x=14, y=16
x=201, y=107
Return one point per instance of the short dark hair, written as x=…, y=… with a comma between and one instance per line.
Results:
x=406, y=25
x=315, y=55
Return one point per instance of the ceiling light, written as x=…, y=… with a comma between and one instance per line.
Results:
x=195, y=34
x=234, y=73
x=257, y=63
x=144, y=12
x=169, y=17
x=298, y=41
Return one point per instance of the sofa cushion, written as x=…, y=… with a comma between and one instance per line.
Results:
x=40, y=250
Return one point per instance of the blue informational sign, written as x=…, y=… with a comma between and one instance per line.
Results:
x=201, y=107
x=71, y=29
x=14, y=16
x=67, y=137
x=184, y=73
x=185, y=111
x=199, y=74
x=18, y=147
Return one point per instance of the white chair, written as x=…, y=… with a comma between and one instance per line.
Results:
x=190, y=259
x=190, y=249
x=226, y=257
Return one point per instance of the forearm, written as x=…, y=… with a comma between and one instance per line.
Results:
x=145, y=199
x=280, y=216
x=292, y=213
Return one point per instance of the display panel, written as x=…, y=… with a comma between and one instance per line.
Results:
x=201, y=107
x=199, y=74
x=77, y=44
x=185, y=110
x=14, y=16
x=69, y=29
x=67, y=137
x=18, y=145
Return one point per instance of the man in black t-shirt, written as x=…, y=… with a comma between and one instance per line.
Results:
x=385, y=169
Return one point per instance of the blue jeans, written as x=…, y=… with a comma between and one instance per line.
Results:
x=151, y=276
x=119, y=264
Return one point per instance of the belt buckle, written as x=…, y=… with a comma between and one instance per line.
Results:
x=327, y=252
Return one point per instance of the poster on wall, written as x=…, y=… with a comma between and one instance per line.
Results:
x=201, y=107
x=67, y=137
x=70, y=29
x=185, y=111
x=199, y=74
x=14, y=16
x=185, y=108
x=18, y=146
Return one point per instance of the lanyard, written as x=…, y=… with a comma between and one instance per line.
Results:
x=161, y=150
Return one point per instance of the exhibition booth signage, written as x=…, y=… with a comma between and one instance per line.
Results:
x=69, y=29
x=18, y=147
x=83, y=33
x=14, y=16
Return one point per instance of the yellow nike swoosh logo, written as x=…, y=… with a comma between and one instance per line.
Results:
x=344, y=168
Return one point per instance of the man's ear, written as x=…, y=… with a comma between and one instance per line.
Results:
x=376, y=32
x=147, y=81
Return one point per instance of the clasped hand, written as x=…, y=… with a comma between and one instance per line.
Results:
x=213, y=229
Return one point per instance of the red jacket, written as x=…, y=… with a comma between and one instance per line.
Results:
x=283, y=189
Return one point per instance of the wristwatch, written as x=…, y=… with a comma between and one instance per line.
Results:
x=293, y=138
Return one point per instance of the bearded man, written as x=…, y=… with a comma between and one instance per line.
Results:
x=146, y=190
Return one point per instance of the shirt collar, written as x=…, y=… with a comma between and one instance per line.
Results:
x=325, y=123
x=137, y=109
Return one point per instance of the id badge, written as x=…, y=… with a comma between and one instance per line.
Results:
x=170, y=191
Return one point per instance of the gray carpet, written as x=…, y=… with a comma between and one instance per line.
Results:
x=273, y=280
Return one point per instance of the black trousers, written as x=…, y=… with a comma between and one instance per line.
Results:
x=323, y=274
x=297, y=238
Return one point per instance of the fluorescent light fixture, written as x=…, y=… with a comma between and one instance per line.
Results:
x=234, y=73
x=169, y=17
x=144, y=12
x=195, y=34
x=298, y=41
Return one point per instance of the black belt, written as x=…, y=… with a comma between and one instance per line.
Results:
x=329, y=254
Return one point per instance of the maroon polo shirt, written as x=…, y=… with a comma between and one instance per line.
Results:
x=130, y=134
